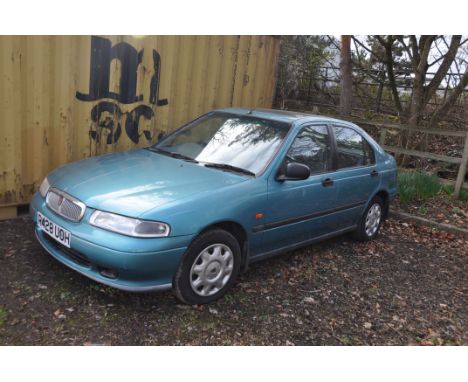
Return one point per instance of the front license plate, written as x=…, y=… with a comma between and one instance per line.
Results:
x=53, y=230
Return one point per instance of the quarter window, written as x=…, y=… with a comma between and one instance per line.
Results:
x=312, y=148
x=352, y=149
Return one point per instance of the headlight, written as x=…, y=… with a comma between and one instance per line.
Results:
x=129, y=226
x=44, y=187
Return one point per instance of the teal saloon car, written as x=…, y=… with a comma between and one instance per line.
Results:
x=232, y=187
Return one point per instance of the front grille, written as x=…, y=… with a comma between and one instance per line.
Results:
x=65, y=205
x=70, y=209
x=73, y=255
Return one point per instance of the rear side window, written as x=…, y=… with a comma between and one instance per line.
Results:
x=353, y=150
x=312, y=148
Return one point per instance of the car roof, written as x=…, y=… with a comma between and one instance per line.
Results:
x=280, y=115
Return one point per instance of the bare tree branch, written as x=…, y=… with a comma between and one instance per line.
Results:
x=334, y=43
x=366, y=48
x=435, y=61
x=449, y=57
x=369, y=72
x=442, y=55
x=443, y=109
x=401, y=39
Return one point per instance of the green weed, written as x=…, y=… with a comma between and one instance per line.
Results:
x=413, y=185
x=3, y=315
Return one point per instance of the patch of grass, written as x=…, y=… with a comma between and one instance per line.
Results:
x=456, y=211
x=414, y=185
x=3, y=315
x=448, y=189
x=373, y=291
x=422, y=210
x=66, y=295
x=349, y=340
x=210, y=325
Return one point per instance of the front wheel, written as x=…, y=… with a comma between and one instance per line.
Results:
x=208, y=269
x=371, y=220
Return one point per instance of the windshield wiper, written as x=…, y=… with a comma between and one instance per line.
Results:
x=229, y=167
x=172, y=154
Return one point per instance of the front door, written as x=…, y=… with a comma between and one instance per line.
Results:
x=299, y=210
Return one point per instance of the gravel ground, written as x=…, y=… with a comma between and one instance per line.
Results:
x=409, y=286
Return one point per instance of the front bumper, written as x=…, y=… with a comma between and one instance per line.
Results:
x=136, y=264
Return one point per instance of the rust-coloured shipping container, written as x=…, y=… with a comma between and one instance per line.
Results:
x=64, y=98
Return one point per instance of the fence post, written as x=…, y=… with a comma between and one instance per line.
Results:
x=462, y=170
x=383, y=135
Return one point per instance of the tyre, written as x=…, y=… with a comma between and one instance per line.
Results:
x=208, y=268
x=371, y=220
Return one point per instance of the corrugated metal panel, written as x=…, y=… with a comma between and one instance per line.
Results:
x=64, y=98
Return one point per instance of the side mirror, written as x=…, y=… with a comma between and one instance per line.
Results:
x=294, y=171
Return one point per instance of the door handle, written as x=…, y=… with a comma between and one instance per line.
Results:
x=327, y=182
x=374, y=173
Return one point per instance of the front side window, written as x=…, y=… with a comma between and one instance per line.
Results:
x=245, y=142
x=352, y=149
x=312, y=148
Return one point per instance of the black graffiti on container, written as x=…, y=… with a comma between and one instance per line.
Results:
x=102, y=54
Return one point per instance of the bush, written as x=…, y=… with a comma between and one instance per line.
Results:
x=417, y=185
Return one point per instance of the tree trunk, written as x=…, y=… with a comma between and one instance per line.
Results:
x=308, y=91
x=391, y=75
x=346, y=91
x=417, y=104
x=378, y=100
x=417, y=96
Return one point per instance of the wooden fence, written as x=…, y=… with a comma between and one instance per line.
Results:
x=461, y=162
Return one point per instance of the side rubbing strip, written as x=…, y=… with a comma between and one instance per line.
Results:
x=298, y=219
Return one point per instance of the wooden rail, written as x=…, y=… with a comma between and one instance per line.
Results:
x=397, y=126
x=422, y=154
x=462, y=162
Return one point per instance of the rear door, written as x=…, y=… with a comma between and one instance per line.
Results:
x=356, y=176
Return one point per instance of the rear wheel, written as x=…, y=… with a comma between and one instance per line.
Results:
x=208, y=268
x=371, y=220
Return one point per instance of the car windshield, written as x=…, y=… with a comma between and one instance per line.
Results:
x=242, y=142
